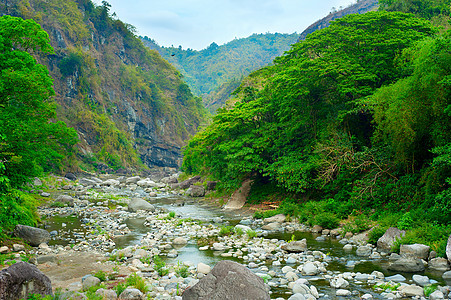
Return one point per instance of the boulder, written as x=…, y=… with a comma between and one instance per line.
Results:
x=32, y=235
x=45, y=194
x=87, y=182
x=146, y=183
x=131, y=294
x=106, y=294
x=296, y=246
x=416, y=250
x=421, y=280
x=196, y=191
x=436, y=295
x=317, y=229
x=363, y=251
x=132, y=180
x=339, y=283
x=297, y=296
x=411, y=290
x=448, y=249
x=407, y=264
x=4, y=250
x=66, y=199
x=280, y=218
x=111, y=182
x=439, y=264
x=396, y=278
x=71, y=176
x=203, y=268
x=140, y=204
x=447, y=275
x=22, y=279
x=89, y=281
x=343, y=293
x=228, y=280
x=179, y=241
x=244, y=228
x=385, y=242
x=272, y=226
x=211, y=185
x=309, y=269
x=170, y=179
x=186, y=183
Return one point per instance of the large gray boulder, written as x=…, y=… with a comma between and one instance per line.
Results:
x=87, y=182
x=228, y=280
x=448, y=249
x=280, y=218
x=407, y=264
x=439, y=264
x=296, y=246
x=196, y=191
x=415, y=250
x=136, y=204
x=66, y=199
x=131, y=294
x=385, y=242
x=22, y=279
x=32, y=235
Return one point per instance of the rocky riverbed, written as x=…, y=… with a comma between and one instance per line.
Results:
x=172, y=251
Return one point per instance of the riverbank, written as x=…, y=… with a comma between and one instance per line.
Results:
x=171, y=241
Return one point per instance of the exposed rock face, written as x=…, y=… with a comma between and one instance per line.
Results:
x=32, y=235
x=360, y=7
x=238, y=198
x=22, y=279
x=296, y=246
x=385, y=242
x=407, y=264
x=140, y=204
x=228, y=280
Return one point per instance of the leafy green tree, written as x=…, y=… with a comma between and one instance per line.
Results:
x=33, y=141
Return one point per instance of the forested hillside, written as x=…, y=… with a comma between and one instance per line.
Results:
x=130, y=107
x=352, y=123
x=206, y=71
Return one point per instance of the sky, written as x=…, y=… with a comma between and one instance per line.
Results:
x=196, y=24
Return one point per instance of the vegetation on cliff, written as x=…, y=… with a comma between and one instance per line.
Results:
x=354, y=120
x=124, y=100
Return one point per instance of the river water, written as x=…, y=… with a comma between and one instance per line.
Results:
x=340, y=260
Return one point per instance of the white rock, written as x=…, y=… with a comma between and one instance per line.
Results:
x=343, y=293
x=309, y=269
x=203, y=268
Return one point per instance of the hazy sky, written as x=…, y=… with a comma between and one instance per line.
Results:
x=197, y=23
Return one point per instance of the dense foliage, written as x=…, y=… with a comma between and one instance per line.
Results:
x=30, y=140
x=357, y=116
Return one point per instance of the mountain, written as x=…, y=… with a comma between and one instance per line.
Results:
x=207, y=70
x=360, y=7
x=130, y=107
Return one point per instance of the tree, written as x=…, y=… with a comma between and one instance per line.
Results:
x=33, y=141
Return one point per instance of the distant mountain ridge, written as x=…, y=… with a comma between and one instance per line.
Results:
x=207, y=70
x=360, y=7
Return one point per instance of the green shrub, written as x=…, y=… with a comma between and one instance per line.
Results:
x=182, y=270
x=429, y=289
x=327, y=220
x=376, y=233
x=265, y=214
x=171, y=214
x=251, y=234
x=225, y=230
x=160, y=266
x=101, y=275
x=120, y=288
x=405, y=222
x=239, y=231
x=137, y=282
